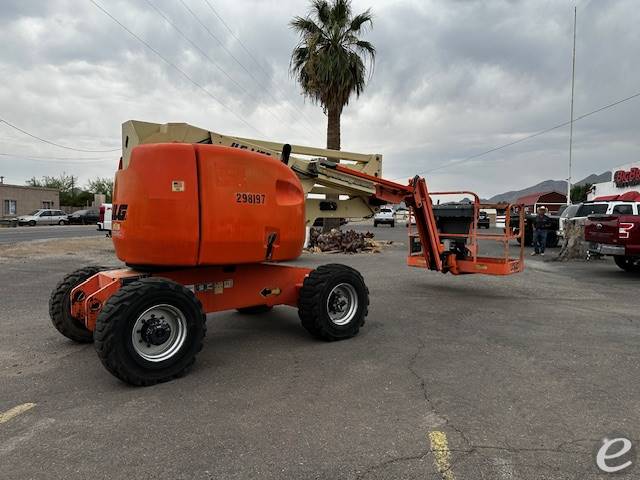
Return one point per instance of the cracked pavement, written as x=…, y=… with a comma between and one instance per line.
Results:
x=524, y=375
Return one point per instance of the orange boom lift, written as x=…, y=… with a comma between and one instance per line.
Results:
x=202, y=228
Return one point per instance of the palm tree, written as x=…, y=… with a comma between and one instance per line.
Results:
x=330, y=61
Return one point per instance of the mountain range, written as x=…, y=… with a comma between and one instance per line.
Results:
x=547, y=186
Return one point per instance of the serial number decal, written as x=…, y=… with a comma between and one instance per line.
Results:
x=251, y=198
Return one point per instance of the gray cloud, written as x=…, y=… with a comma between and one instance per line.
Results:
x=452, y=79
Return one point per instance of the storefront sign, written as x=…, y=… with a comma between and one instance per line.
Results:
x=626, y=178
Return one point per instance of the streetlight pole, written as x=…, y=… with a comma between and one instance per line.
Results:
x=573, y=81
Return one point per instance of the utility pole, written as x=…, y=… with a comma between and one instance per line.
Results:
x=573, y=81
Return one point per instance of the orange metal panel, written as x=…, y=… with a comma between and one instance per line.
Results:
x=88, y=298
x=491, y=266
x=245, y=199
x=219, y=288
x=226, y=288
x=155, y=211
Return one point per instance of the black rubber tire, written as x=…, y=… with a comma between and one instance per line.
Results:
x=627, y=264
x=255, y=309
x=393, y=224
x=313, y=300
x=118, y=316
x=32, y=223
x=60, y=306
x=375, y=224
x=62, y=222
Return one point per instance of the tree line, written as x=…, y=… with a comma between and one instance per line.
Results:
x=71, y=193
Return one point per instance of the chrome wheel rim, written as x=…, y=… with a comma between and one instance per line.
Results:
x=159, y=333
x=342, y=304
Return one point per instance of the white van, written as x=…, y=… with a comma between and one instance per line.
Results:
x=104, y=219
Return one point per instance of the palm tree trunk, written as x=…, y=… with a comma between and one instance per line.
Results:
x=333, y=143
x=333, y=127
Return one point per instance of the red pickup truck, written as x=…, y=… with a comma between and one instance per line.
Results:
x=616, y=235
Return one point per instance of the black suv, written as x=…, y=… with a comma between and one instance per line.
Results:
x=84, y=217
x=483, y=220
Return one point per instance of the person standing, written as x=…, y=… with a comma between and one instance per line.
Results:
x=541, y=225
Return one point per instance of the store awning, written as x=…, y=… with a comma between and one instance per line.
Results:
x=632, y=196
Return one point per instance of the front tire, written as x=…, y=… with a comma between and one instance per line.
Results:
x=32, y=223
x=62, y=222
x=334, y=302
x=60, y=306
x=628, y=264
x=150, y=331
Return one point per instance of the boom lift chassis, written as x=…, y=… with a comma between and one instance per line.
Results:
x=149, y=324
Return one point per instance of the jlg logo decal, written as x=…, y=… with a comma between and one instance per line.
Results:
x=120, y=212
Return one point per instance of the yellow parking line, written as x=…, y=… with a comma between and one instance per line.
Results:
x=15, y=411
x=441, y=454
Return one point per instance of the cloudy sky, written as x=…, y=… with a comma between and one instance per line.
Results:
x=452, y=79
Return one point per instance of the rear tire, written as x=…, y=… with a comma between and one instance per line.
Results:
x=255, y=309
x=334, y=302
x=60, y=306
x=627, y=264
x=150, y=331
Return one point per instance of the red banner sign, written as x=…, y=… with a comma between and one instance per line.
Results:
x=626, y=178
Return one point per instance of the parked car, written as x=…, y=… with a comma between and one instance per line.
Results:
x=384, y=216
x=483, y=220
x=44, y=216
x=84, y=217
x=552, y=233
x=615, y=235
x=104, y=217
x=567, y=214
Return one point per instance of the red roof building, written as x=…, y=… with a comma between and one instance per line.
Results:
x=551, y=200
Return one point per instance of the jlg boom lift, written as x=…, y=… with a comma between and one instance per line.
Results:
x=202, y=228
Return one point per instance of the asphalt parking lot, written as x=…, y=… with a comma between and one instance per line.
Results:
x=481, y=377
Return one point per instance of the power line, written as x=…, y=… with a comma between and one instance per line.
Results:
x=54, y=143
x=528, y=137
x=207, y=57
x=212, y=35
x=215, y=12
x=175, y=67
x=75, y=160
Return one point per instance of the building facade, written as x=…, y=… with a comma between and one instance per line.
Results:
x=21, y=200
x=625, y=179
